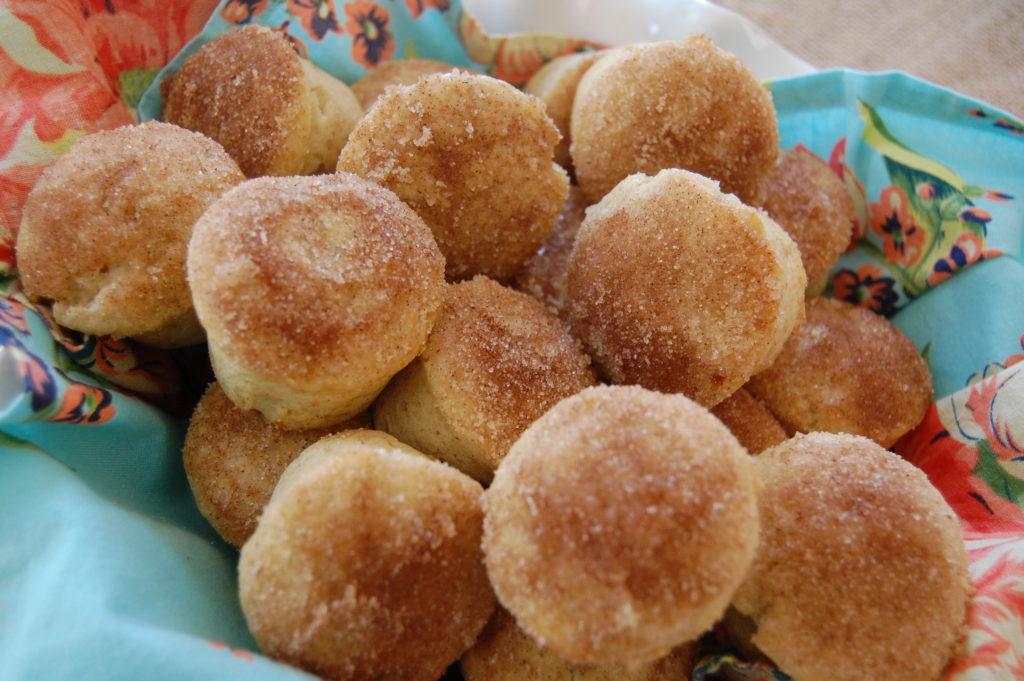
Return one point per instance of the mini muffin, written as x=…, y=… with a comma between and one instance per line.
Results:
x=555, y=84
x=812, y=204
x=314, y=292
x=366, y=563
x=750, y=421
x=473, y=156
x=495, y=361
x=105, y=230
x=233, y=459
x=678, y=287
x=395, y=72
x=545, y=276
x=274, y=112
x=673, y=104
x=847, y=370
x=620, y=524
x=861, y=571
x=504, y=652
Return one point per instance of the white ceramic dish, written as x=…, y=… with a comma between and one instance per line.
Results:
x=616, y=22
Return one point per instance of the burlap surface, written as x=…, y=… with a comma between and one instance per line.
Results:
x=973, y=46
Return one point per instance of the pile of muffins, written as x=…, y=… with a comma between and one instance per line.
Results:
x=537, y=382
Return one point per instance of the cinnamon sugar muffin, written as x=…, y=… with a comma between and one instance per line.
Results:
x=678, y=287
x=846, y=370
x=105, y=230
x=750, y=421
x=504, y=652
x=673, y=104
x=812, y=204
x=314, y=292
x=274, y=112
x=495, y=361
x=471, y=155
x=233, y=459
x=620, y=524
x=861, y=571
x=395, y=72
x=366, y=563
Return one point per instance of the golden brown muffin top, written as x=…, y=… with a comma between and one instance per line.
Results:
x=367, y=563
x=311, y=277
x=473, y=156
x=245, y=89
x=234, y=458
x=846, y=370
x=679, y=287
x=812, y=204
x=105, y=229
x=497, y=360
x=673, y=104
x=620, y=524
x=861, y=567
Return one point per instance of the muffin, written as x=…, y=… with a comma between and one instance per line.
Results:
x=105, y=230
x=314, y=292
x=273, y=111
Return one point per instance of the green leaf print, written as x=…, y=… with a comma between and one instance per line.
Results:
x=991, y=472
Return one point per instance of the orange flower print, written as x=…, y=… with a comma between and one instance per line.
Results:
x=995, y=617
x=968, y=249
x=84, y=404
x=951, y=462
x=81, y=51
x=317, y=16
x=12, y=314
x=368, y=22
x=15, y=183
x=418, y=7
x=891, y=220
x=296, y=43
x=242, y=11
x=78, y=97
x=137, y=35
x=867, y=287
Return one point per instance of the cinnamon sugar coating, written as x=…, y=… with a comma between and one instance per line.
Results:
x=471, y=155
x=273, y=111
x=314, y=292
x=673, y=104
x=846, y=370
x=679, y=287
x=233, y=459
x=504, y=652
x=750, y=421
x=366, y=564
x=812, y=204
x=861, y=570
x=495, y=361
x=620, y=524
x=395, y=72
x=105, y=230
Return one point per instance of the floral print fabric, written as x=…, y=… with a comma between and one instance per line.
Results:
x=936, y=242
